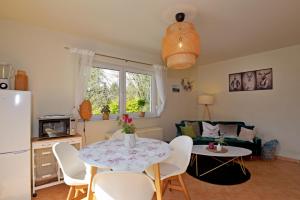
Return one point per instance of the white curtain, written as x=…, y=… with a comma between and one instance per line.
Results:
x=82, y=74
x=160, y=78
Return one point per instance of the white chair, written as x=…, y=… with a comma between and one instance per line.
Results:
x=74, y=169
x=123, y=186
x=117, y=135
x=176, y=164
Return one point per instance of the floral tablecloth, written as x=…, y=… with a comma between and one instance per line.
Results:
x=113, y=154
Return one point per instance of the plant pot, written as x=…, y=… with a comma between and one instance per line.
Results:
x=142, y=114
x=219, y=147
x=105, y=116
x=129, y=140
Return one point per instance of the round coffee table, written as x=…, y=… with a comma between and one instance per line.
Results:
x=234, y=154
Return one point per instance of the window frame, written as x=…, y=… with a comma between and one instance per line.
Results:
x=122, y=88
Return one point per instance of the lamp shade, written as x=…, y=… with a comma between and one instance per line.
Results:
x=205, y=100
x=180, y=46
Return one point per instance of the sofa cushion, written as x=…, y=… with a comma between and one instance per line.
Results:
x=244, y=126
x=210, y=130
x=195, y=126
x=189, y=131
x=229, y=130
x=246, y=134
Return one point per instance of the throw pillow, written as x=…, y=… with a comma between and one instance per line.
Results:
x=188, y=130
x=210, y=130
x=195, y=126
x=228, y=130
x=244, y=126
x=246, y=134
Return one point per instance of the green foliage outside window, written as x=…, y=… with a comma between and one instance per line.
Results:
x=103, y=89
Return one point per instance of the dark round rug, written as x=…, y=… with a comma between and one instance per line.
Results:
x=229, y=174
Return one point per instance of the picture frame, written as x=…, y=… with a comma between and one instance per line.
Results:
x=251, y=80
x=264, y=79
x=235, y=82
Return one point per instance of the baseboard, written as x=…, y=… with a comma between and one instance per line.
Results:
x=288, y=159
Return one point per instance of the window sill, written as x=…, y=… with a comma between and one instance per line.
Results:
x=114, y=118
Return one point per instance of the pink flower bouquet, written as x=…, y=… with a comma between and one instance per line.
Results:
x=127, y=124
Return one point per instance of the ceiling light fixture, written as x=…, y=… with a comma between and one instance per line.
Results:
x=181, y=44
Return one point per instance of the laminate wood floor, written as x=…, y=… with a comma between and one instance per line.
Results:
x=270, y=180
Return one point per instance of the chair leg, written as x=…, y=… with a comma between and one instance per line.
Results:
x=71, y=193
x=164, y=186
x=170, y=183
x=76, y=193
x=186, y=193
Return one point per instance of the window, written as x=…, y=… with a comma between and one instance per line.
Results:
x=103, y=89
x=138, y=87
x=122, y=88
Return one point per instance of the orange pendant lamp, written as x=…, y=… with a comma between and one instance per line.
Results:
x=181, y=44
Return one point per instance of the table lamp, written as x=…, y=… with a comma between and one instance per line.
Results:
x=206, y=100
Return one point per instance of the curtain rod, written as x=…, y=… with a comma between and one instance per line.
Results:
x=118, y=58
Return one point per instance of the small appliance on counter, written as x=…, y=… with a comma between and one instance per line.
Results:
x=54, y=126
x=6, y=73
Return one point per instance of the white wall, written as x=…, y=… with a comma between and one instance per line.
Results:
x=275, y=112
x=51, y=76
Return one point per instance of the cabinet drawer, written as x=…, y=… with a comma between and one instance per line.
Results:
x=43, y=152
x=45, y=170
x=46, y=179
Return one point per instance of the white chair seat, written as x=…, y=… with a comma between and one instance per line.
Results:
x=123, y=186
x=79, y=178
x=166, y=170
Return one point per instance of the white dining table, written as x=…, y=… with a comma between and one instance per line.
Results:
x=113, y=154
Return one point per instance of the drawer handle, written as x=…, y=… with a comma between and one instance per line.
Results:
x=47, y=176
x=46, y=164
x=46, y=152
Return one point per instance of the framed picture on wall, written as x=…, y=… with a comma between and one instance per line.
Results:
x=252, y=80
x=249, y=81
x=264, y=79
x=235, y=82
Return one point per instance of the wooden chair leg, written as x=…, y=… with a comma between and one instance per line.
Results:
x=76, y=193
x=71, y=193
x=170, y=183
x=186, y=193
x=164, y=186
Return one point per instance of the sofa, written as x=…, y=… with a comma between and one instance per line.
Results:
x=254, y=146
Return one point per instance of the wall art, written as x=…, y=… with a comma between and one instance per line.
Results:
x=251, y=80
x=187, y=84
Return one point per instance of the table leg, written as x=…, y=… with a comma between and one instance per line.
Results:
x=157, y=181
x=217, y=167
x=242, y=165
x=93, y=171
x=197, y=173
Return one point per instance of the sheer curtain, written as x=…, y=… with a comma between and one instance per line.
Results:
x=160, y=78
x=82, y=74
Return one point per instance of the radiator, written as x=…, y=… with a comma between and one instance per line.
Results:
x=152, y=132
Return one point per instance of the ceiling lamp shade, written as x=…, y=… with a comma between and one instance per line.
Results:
x=181, y=44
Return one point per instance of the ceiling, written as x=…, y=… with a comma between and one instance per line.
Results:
x=228, y=28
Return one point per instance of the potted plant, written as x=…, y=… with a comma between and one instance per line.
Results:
x=220, y=142
x=128, y=128
x=105, y=112
x=141, y=104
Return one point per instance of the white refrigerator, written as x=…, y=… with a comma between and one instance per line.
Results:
x=15, y=134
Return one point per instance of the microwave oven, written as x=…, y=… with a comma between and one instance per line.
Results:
x=53, y=126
